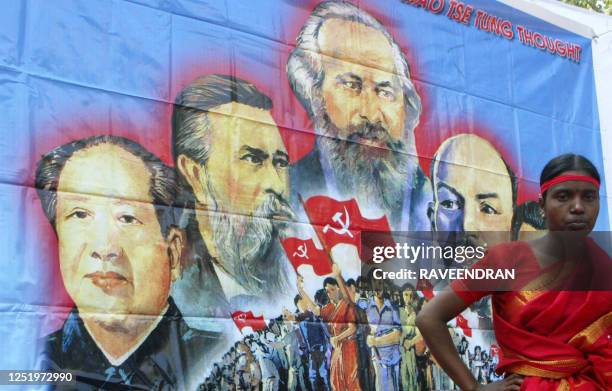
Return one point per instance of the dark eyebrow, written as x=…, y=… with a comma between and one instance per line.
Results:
x=255, y=151
x=483, y=196
x=348, y=75
x=563, y=187
x=384, y=84
x=281, y=154
x=452, y=190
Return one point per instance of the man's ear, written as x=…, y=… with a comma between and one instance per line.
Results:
x=176, y=245
x=195, y=174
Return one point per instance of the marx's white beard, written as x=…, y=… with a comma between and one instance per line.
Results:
x=248, y=247
x=379, y=176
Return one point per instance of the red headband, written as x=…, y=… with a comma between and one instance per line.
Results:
x=567, y=178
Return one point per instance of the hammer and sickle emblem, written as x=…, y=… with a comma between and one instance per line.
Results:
x=344, y=224
x=303, y=252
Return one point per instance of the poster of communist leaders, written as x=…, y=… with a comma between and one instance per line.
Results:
x=188, y=187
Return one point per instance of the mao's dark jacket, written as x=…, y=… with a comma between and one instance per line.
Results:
x=174, y=356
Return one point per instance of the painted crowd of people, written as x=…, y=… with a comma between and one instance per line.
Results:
x=298, y=345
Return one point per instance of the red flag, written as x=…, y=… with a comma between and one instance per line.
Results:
x=425, y=287
x=338, y=222
x=247, y=319
x=304, y=252
x=463, y=324
x=494, y=350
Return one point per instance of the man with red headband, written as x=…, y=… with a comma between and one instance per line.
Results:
x=553, y=323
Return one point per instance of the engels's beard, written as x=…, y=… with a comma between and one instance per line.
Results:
x=378, y=174
x=248, y=247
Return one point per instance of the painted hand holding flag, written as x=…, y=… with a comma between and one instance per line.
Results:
x=305, y=252
x=247, y=319
x=337, y=222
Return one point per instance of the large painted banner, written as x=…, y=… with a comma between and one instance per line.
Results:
x=186, y=184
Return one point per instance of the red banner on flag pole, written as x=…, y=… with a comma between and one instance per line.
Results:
x=463, y=324
x=305, y=252
x=337, y=222
x=247, y=319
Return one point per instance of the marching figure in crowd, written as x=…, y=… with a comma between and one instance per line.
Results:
x=294, y=344
x=408, y=340
x=477, y=365
x=110, y=202
x=552, y=324
x=315, y=343
x=244, y=374
x=353, y=80
x=384, y=340
x=269, y=373
x=463, y=349
x=232, y=165
x=340, y=316
x=360, y=298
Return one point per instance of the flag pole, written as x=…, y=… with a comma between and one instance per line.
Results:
x=343, y=287
x=327, y=251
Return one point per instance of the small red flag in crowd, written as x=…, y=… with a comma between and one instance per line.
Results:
x=305, y=252
x=463, y=324
x=426, y=289
x=494, y=350
x=247, y=319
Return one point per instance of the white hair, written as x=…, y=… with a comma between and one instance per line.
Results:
x=305, y=71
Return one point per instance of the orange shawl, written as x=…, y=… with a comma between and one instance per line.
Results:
x=557, y=336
